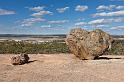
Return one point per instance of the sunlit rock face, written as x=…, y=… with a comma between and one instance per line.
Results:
x=88, y=45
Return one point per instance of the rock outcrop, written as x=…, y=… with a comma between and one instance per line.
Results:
x=19, y=59
x=88, y=45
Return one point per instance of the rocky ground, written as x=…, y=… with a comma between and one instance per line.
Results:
x=63, y=68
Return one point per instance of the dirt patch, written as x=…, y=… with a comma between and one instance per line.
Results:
x=63, y=68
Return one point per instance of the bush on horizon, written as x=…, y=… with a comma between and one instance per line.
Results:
x=13, y=47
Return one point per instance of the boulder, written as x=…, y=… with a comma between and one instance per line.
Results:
x=19, y=59
x=88, y=45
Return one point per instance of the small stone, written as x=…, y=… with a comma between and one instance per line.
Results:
x=19, y=59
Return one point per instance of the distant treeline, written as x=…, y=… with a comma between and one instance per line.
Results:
x=117, y=36
x=46, y=36
x=34, y=36
x=13, y=47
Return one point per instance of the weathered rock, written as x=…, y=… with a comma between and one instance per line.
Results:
x=16, y=60
x=88, y=45
x=20, y=59
x=24, y=58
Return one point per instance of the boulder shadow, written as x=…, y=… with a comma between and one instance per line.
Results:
x=107, y=58
x=31, y=61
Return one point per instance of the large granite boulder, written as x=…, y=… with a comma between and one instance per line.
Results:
x=19, y=59
x=88, y=45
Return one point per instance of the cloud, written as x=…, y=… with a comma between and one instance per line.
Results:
x=62, y=10
x=80, y=24
x=41, y=13
x=81, y=8
x=103, y=7
x=120, y=7
x=51, y=28
x=110, y=7
x=31, y=21
x=101, y=26
x=118, y=28
x=6, y=12
x=38, y=8
x=58, y=22
x=105, y=21
x=80, y=19
x=45, y=26
x=98, y=21
x=109, y=14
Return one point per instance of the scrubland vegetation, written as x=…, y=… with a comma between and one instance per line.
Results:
x=117, y=48
x=33, y=48
x=13, y=47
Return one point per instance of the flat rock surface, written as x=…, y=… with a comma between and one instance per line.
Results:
x=63, y=68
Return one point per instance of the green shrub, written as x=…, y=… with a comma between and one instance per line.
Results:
x=25, y=47
x=117, y=48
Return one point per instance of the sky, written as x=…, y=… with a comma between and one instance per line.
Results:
x=59, y=16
